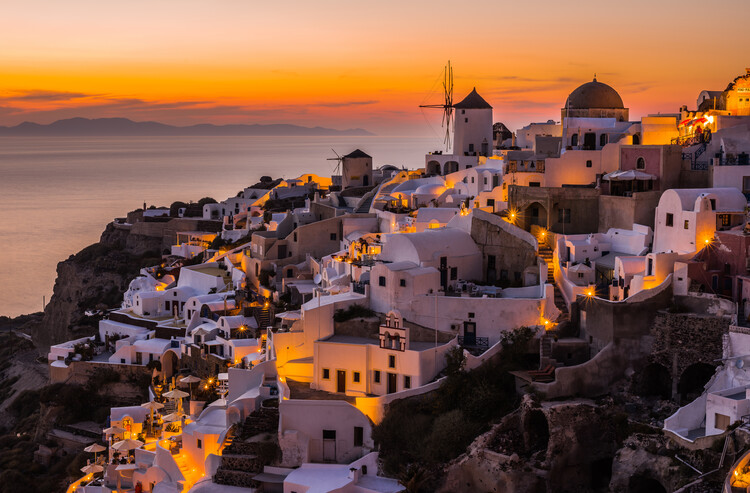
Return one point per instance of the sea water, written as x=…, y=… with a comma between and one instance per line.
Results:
x=57, y=194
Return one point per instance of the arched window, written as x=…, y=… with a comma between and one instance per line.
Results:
x=602, y=140
x=636, y=139
x=640, y=163
x=574, y=140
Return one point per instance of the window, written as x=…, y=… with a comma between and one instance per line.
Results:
x=391, y=361
x=376, y=376
x=381, y=281
x=713, y=204
x=574, y=140
x=402, y=283
x=359, y=436
x=472, y=179
x=290, y=273
x=724, y=218
x=407, y=382
x=746, y=184
x=670, y=219
x=491, y=203
x=295, y=236
x=466, y=120
x=687, y=224
x=589, y=163
x=563, y=216
x=636, y=139
x=485, y=180
x=471, y=314
x=640, y=163
x=580, y=275
x=534, y=184
x=326, y=374
x=602, y=140
x=454, y=273
x=329, y=434
x=355, y=377
x=198, y=443
x=333, y=236
x=722, y=421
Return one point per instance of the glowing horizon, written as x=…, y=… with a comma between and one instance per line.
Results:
x=344, y=66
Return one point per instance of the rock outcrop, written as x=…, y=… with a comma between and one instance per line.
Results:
x=96, y=277
x=93, y=278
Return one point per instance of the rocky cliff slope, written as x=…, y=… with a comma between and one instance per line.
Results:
x=95, y=277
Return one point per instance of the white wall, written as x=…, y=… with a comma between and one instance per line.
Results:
x=301, y=426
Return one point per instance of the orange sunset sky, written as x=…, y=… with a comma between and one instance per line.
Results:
x=346, y=64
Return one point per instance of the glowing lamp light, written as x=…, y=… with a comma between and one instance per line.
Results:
x=589, y=292
x=211, y=381
x=205, y=387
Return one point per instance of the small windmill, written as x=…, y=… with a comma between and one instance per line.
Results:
x=447, y=105
x=339, y=159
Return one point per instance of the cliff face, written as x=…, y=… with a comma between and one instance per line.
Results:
x=95, y=277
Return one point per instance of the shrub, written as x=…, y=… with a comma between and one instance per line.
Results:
x=354, y=311
x=451, y=433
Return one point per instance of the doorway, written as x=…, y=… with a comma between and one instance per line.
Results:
x=444, y=273
x=391, y=383
x=341, y=381
x=329, y=445
x=470, y=333
x=589, y=141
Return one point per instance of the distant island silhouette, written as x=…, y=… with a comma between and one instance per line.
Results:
x=76, y=127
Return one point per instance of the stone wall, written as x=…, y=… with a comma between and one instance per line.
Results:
x=583, y=203
x=623, y=212
x=200, y=366
x=512, y=254
x=683, y=339
x=79, y=372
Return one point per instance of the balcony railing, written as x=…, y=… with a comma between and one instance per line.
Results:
x=474, y=342
x=742, y=159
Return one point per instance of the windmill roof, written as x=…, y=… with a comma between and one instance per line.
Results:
x=357, y=153
x=473, y=101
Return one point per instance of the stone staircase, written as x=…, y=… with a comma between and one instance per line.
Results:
x=364, y=206
x=189, y=473
x=254, y=446
x=546, y=254
x=263, y=316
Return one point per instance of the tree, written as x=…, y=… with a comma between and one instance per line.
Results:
x=206, y=200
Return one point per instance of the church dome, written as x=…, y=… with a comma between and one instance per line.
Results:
x=594, y=95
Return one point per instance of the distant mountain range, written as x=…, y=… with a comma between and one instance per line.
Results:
x=75, y=127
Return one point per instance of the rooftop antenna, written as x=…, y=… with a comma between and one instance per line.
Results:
x=447, y=105
x=339, y=159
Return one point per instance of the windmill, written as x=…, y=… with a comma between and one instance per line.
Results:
x=447, y=105
x=338, y=164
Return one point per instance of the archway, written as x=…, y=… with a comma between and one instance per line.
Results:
x=644, y=484
x=535, y=214
x=693, y=380
x=170, y=364
x=433, y=168
x=653, y=380
x=450, y=167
